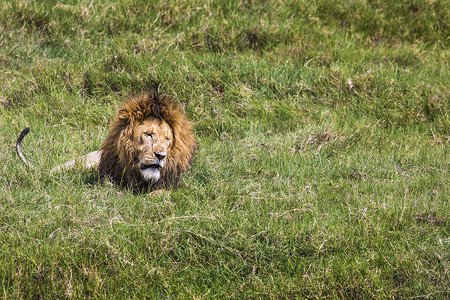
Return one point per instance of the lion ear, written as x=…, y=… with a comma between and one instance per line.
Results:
x=123, y=115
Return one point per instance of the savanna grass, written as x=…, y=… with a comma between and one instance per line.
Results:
x=323, y=162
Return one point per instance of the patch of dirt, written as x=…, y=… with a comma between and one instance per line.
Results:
x=429, y=218
x=319, y=140
x=5, y=103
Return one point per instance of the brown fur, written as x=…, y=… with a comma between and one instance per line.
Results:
x=118, y=153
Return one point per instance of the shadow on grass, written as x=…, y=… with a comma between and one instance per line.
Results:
x=91, y=178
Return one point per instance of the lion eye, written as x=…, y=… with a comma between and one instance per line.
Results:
x=149, y=134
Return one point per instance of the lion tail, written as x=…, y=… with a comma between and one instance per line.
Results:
x=19, y=145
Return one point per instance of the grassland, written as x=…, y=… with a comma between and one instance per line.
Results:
x=324, y=137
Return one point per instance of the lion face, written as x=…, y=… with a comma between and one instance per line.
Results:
x=149, y=144
x=152, y=140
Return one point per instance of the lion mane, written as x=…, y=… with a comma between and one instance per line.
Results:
x=118, y=153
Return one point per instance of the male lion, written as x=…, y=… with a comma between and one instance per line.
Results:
x=149, y=145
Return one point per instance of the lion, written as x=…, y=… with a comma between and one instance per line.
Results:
x=149, y=145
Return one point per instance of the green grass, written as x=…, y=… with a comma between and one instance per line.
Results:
x=324, y=133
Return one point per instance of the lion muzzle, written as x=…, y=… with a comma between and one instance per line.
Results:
x=151, y=171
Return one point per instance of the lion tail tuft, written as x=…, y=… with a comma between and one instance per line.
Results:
x=19, y=145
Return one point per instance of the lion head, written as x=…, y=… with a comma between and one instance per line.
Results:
x=149, y=144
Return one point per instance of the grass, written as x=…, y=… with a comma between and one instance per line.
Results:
x=324, y=149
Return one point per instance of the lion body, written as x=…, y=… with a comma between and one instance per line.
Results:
x=87, y=161
x=149, y=145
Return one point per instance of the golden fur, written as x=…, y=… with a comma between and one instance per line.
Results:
x=120, y=155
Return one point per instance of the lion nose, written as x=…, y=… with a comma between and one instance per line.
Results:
x=160, y=155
